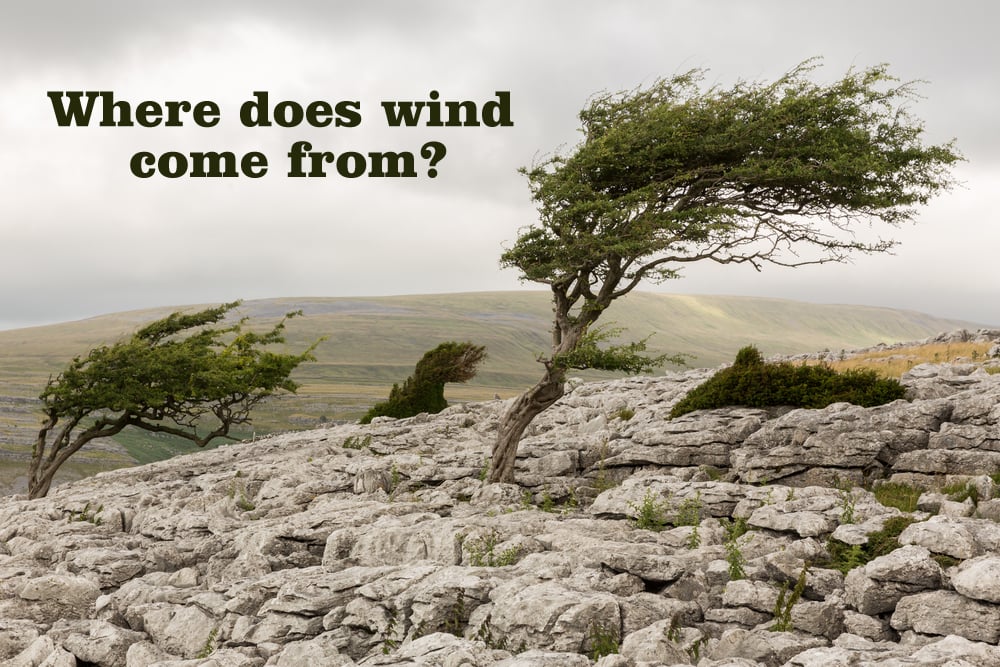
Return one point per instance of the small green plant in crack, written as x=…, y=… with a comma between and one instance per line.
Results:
x=245, y=504
x=959, y=492
x=548, y=504
x=482, y=551
x=847, y=504
x=209, y=646
x=695, y=650
x=689, y=514
x=603, y=641
x=603, y=482
x=389, y=641
x=485, y=634
x=945, y=561
x=625, y=414
x=713, y=473
x=394, y=479
x=673, y=631
x=357, y=442
x=456, y=616
x=88, y=514
x=485, y=470
x=783, y=607
x=845, y=557
x=649, y=514
x=734, y=556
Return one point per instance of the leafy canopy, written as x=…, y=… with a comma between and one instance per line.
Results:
x=176, y=375
x=158, y=375
x=757, y=173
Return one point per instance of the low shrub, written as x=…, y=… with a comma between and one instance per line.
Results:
x=424, y=390
x=846, y=557
x=753, y=383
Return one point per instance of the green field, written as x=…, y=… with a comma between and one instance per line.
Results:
x=373, y=342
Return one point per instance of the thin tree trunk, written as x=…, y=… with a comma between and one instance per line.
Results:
x=38, y=486
x=527, y=406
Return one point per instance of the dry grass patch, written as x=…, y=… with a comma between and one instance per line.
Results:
x=893, y=363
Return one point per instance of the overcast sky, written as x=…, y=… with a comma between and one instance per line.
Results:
x=82, y=236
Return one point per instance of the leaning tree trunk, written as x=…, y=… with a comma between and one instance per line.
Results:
x=527, y=406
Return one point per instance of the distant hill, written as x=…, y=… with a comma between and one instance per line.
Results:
x=374, y=342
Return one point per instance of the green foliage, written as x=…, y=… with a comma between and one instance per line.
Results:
x=847, y=503
x=424, y=390
x=209, y=646
x=602, y=641
x=650, y=514
x=902, y=496
x=846, y=557
x=625, y=414
x=689, y=514
x=756, y=174
x=357, y=442
x=88, y=514
x=389, y=641
x=961, y=491
x=482, y=551
x=785, y=602
x=548, y=504
x=734, y=556
x=172, y=376
x=676, y=173
x=485, y=633
x=757, y=384
x=945, y=561
x=629, y=358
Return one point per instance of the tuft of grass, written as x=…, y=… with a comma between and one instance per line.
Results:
x=625, y=414
x=893, y=363
x=961, y=491
x=902, y=496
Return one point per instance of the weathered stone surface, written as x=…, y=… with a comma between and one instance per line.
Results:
x=948, y=613
x=653, y=645
x=56, y=596
x=551, y=616
x=979, y=579
x=764, y=646
x=954, y=536
x=296, y=550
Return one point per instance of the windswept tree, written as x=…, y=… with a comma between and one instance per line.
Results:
x=424, y=390
x=179, y=375
x=781, y=173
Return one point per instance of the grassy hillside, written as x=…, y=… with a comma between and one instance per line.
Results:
x=373, y=342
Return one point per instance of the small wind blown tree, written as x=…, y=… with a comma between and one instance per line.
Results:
x=424, y=390
x=172, y=376
x=777, y=173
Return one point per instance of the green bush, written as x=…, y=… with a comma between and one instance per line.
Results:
x=424, y=390
x=846, y=557
x=753, y=383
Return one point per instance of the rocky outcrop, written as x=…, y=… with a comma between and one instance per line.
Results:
x=719, y=538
